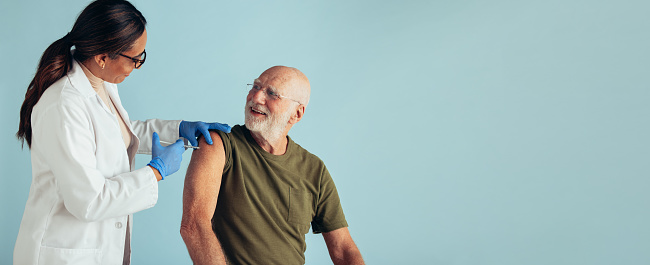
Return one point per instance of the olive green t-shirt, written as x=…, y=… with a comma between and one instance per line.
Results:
x=267, y=202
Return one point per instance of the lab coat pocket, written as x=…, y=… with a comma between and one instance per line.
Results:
x=53, y=256
x=300, y=207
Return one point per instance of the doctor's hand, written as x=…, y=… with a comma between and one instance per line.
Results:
x=192, y=129
x=166, y=159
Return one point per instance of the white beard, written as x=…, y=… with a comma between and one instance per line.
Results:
x=271, y=127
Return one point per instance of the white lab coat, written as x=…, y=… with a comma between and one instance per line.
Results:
x=84, y=187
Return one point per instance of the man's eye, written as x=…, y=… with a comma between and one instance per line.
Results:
x=256, y=87
x=273, y=94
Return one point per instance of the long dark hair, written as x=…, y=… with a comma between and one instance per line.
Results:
x=104, y=26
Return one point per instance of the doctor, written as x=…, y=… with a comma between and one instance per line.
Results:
x=84, y=185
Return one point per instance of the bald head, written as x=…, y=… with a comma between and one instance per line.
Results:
x=295, y=83
x=269, y=117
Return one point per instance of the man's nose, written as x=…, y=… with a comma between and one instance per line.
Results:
x=259, y=96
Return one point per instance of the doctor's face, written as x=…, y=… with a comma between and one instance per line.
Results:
x=116, y=70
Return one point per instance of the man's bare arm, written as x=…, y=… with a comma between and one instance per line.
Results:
x=342, y=248
x=202, y=184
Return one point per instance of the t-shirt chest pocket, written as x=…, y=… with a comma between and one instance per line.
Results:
x=300, y=207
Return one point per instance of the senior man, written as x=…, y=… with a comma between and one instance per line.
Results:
x=251, y=197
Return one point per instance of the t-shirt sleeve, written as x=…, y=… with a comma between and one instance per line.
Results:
x=329, y=213
x=227, y=148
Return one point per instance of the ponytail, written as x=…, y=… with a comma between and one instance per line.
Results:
x=55, y=63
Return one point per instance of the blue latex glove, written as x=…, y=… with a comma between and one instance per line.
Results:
x=166, y=159
x=192, y=129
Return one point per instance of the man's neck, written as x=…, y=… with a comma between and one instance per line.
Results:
x=273, y=146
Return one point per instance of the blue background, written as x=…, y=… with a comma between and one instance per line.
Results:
x=457, y=132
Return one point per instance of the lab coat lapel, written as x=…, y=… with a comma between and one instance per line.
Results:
x=80, y=81
x=112, y=92
x=135, y=141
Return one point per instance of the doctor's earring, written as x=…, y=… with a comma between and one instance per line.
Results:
x=103, y=66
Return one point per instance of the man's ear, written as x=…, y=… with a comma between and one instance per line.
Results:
x=297, y=116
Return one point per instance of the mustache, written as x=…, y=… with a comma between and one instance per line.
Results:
x=258, y=107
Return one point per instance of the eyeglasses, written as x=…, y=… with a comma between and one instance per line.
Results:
x=137, y=61
x=269, y=92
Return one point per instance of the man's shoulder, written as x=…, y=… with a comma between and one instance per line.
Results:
x=235, y=139
x=236, y=131
x=304, y=153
